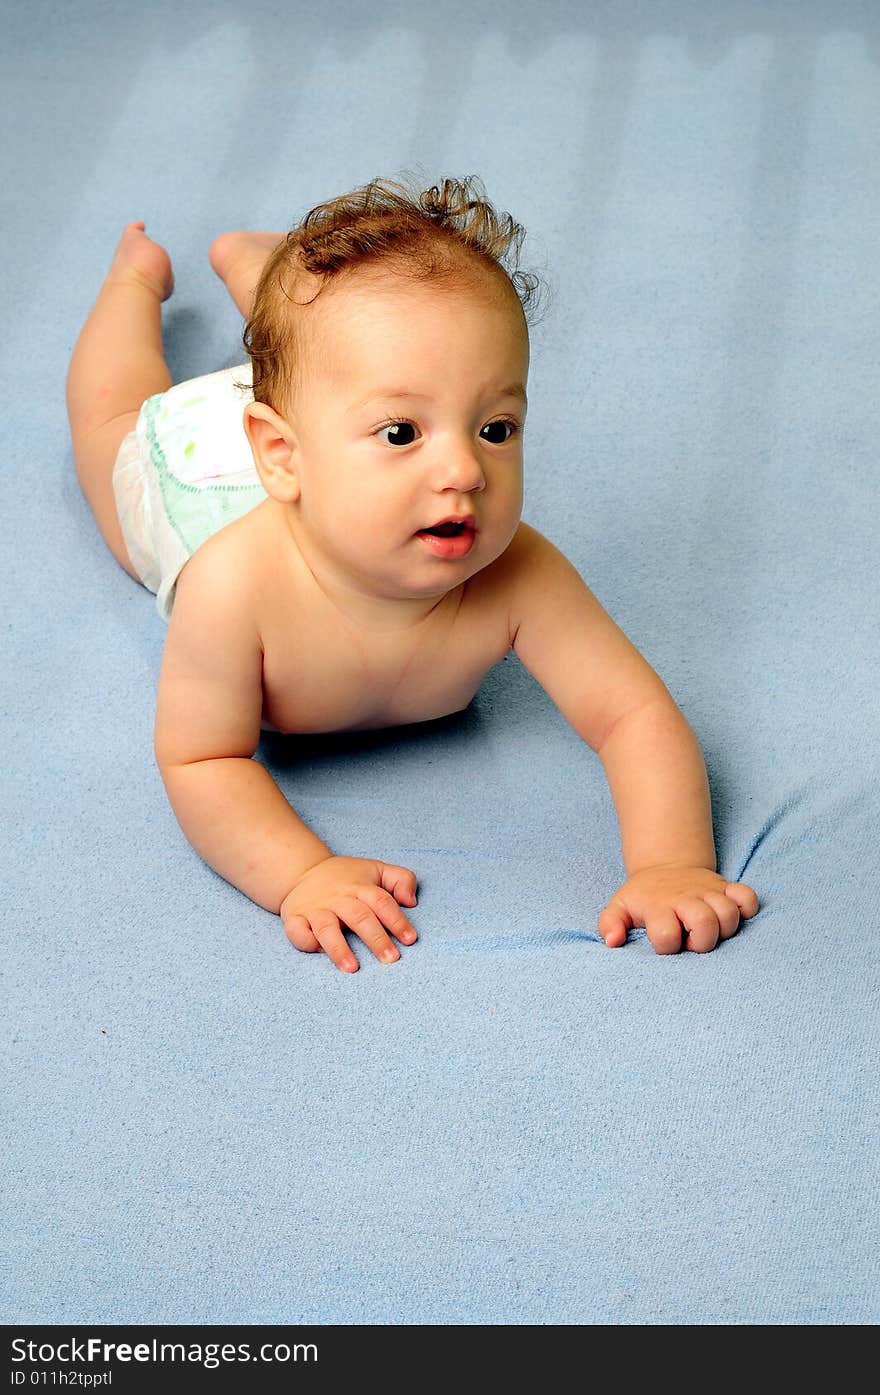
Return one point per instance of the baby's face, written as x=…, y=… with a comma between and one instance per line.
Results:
x=415, y=416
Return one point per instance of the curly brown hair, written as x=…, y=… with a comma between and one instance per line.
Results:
x=449, y=234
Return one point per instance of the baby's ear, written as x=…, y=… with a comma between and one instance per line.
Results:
x=274, y=450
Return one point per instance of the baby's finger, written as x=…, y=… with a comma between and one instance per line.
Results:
x=298, y=931
x=389, y=913
x=613, y=924
x=663, y=930
x=727, y=912
x=700, y=923
x=744, y=897
x=327, y=931
x=400, y=881
x=359, y=918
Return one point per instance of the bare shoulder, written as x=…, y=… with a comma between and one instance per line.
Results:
x=568, y=641
x=527, y=550
x=229, y=569
x=523, y=579
x=209, y=696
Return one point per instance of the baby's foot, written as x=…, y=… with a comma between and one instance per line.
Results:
x=138, y=258
x=238, y=259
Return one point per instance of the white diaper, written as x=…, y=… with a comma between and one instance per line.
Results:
x=183, y=473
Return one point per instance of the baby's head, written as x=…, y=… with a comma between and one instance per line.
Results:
x=445, y=239
x=387, y=310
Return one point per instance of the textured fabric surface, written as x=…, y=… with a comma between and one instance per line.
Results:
x=513, y=1124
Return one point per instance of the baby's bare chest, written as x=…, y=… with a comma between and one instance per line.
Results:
x=317, y=677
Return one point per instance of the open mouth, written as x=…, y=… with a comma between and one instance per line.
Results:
x=450, y=540
x=446, y=530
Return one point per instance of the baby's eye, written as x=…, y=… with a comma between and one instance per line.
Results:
x=402, y=433
x=494, y=425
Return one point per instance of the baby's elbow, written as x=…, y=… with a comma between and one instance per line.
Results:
x=659, y=714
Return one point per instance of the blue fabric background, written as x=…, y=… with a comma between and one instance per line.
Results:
x=513, y=1124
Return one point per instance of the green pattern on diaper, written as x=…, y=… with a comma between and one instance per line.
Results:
x=195, y=511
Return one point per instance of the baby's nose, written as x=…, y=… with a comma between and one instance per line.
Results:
x=463, y=468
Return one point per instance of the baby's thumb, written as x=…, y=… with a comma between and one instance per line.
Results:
x=401, y=882
x=613, y=924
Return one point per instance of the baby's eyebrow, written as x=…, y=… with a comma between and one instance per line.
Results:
x=384, y=394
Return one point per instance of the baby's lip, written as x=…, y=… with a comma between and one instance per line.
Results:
x=466, y=520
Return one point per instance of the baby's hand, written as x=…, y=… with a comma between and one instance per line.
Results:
x=352, y=891
x=680, y=907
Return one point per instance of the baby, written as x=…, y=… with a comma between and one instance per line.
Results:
x=339, y=547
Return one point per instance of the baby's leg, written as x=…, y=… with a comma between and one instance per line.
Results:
x=238, y=259
x=117, y=363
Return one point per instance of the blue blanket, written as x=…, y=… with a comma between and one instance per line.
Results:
x=514, y=1124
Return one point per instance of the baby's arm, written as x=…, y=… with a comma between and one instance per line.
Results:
x=617, y=703
x=236, y=818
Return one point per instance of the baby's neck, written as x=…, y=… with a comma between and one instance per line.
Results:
x=372, y=615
